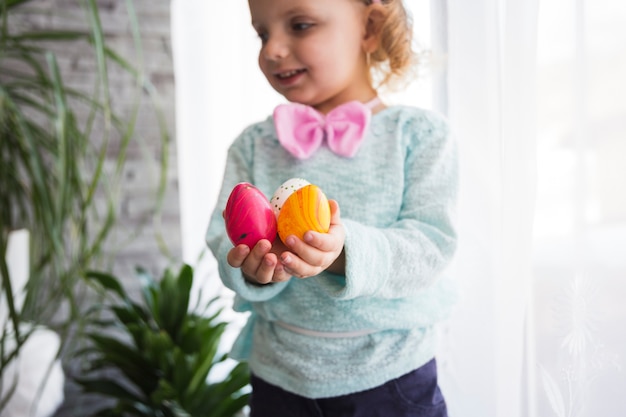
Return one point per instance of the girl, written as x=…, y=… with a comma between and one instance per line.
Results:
x=341, y=323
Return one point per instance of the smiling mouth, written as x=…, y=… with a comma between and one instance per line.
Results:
x=288, y=74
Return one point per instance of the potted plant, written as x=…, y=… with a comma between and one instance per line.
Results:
x=164, y=351
x=53, y=180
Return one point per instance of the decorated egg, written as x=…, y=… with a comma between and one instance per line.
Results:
x=283, y=192
x=304, y=208
x=249, y=216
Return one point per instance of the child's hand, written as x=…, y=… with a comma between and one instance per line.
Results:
x=259, y=265
x=319, y=251
x=267, y=263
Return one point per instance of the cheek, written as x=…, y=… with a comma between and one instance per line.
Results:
x=260, y=62
x=330, y=53
x=318, y=57
x=333, y=63
x=262, y=66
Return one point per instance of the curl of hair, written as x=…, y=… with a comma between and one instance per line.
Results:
x=394, y=62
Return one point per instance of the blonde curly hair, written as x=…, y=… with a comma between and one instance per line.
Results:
x=395, y=61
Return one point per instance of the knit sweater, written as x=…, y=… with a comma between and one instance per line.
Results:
x=376, y=322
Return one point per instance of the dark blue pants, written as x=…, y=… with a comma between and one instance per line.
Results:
x=415, y=394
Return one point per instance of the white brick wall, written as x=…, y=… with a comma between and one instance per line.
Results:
x=137, y=200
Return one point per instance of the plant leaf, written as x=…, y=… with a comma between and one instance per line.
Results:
x=232, y=406
x=109, y=388
x=551, y=388
x=107, y=281
x=131, y=362
x=203, y=368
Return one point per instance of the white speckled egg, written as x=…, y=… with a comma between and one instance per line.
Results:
x=283, y=192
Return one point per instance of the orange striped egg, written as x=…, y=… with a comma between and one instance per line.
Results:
x=305, y=209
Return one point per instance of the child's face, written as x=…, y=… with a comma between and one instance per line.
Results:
x=312, y=50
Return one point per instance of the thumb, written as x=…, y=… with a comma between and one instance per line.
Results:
x=335, y=213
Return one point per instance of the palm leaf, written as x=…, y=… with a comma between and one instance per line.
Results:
x=174, y=349
x=108, y=388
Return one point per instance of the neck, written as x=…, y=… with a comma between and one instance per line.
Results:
x=373, y=103
x=369, y=99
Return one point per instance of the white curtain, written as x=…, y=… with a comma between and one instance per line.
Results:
x=219, y=91
x=492, y=50
x=579, y=266
x=536, y=96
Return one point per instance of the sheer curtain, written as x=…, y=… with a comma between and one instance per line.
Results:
x=580, y=230
x=491, y=57
x=536, y=96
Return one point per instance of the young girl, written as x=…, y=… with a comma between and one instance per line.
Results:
x=341, y=323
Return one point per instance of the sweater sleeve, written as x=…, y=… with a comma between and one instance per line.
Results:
x=237, y=170
x=406, y=257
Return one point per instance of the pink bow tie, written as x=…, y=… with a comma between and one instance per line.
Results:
x=301, y=129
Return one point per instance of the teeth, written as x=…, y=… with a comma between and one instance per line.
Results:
x=289, y=73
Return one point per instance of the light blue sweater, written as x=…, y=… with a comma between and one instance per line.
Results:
x=396, y=197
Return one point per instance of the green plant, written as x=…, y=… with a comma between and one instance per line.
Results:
x=164, y=350
x=54, y=143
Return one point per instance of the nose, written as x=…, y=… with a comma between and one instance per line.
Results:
x=276, y=47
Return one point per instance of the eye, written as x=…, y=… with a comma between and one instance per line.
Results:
x=263, y=36
x=301, y=26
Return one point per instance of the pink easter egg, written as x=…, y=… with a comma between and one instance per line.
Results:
x=249, y=216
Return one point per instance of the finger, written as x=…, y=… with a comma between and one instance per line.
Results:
x=237, y=255
x=280, y=273
x=325, y=242
x=304, y=250
x=259, y=250
x=335, y=212
x=295, y=266
x=265, y=271
x=335, y=236
x=271, y=270
x=251, y=263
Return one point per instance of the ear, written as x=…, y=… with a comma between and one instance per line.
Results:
x=375, y=16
